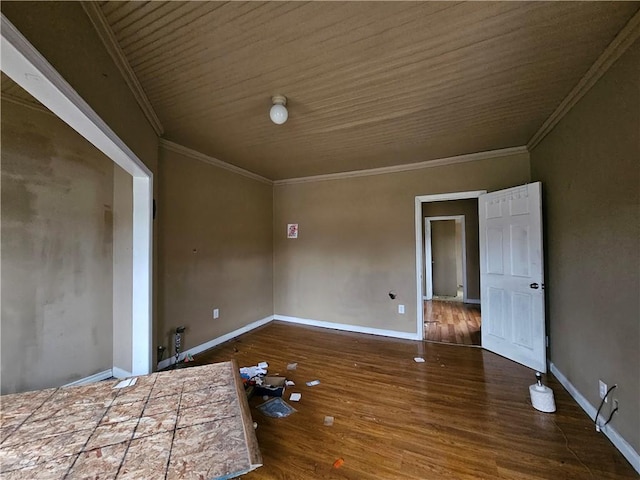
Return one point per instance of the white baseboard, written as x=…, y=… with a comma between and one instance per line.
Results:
x=348, y=328
x=121, y=373
x=216, y=341
x=475, y=301
x=618, y=441
x=96, y=377
x=301, y=321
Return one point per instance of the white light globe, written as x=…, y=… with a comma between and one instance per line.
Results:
x=278, y=114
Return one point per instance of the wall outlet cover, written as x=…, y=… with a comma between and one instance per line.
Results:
x=602, y=388
x=401, y=309
x=216, y=313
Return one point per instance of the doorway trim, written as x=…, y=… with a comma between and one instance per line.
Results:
x=419, y=200
x=428, y=260
x=29, y=69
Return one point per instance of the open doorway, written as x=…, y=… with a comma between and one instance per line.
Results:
x=30, y=70
x=445, y=258
x=449, y=289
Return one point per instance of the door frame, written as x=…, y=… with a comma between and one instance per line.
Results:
x=428, y=257
x=420, y=268
x=29, y=69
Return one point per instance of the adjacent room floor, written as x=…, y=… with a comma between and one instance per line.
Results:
x=463, y=414
x=452, y=322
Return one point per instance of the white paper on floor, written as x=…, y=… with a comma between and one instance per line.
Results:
x=126, y=383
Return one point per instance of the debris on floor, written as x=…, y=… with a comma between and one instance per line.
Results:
x=295, y=397
x=290, y=383
x=313, y=383
x=338, y=463
x=328, y=421
x=272, y=386
x=419, y=359
x=250, y=373
x=188, y=358
x=129, y=382
x=292, y=366
x=276, y=408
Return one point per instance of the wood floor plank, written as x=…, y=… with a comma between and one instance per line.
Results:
x=452, y=322
x=463, y=414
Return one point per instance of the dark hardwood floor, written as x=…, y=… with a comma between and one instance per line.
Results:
x=452, y=322
x=464, y=414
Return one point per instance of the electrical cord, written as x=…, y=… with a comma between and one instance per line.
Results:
x=604, y=399
x=610, y=416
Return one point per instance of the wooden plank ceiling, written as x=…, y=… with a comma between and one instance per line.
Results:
x=369, y=84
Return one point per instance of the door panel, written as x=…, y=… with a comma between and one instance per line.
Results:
x=511, y=268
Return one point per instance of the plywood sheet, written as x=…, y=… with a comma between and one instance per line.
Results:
x=187, y=423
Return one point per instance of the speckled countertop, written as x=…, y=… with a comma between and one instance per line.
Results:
x=191, y=423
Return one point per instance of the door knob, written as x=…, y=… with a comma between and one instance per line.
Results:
x=535, y=286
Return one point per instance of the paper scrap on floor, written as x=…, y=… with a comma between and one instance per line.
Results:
x=313, y=383
x=290, y=383
x=251, y=372
x=295, y=397
x=328, y=421
x=292, y=366
x=419, y=359
x=127, y=383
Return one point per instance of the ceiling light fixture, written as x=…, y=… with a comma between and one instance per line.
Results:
x=278, y=112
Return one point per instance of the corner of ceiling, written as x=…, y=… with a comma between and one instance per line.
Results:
x=93, y=11
x=623, y=40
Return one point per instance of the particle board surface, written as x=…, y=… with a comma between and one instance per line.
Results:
x=191, y=423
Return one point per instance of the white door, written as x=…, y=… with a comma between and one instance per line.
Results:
x=511, y=275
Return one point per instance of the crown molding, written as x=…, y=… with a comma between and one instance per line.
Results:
x=93, y=11
x=194, y=154
x=625, y=38
x=471, y=157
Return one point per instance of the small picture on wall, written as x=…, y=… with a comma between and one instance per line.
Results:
x=292, y=230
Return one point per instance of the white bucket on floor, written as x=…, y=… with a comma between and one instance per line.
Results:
x=542, y=397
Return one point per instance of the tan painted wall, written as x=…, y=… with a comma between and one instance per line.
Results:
x=122, y=267
x=357, y=240
x=216, y=249
x=468, y=208
x=589, y=166
x=459, y=264
x=57, y=193
x=63, y=33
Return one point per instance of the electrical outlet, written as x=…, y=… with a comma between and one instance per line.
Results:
x=401, y=309
x=603, y=389
x=216, y=313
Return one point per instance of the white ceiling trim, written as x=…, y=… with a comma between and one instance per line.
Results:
x=625, y=38
x=194, y=154
x=93, y=11
x=471, y=157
